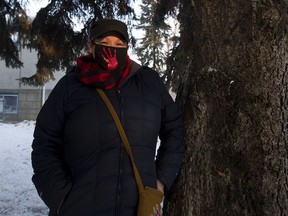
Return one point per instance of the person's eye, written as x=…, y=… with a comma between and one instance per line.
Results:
x=120, y=44
x=103, y=42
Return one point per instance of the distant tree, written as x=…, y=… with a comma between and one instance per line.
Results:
x=169, y=10
x=153, y=47
x=52, y=32
x=170, y=74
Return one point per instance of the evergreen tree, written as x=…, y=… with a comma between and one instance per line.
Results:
x=14, y=24
x=153, y=48
x=52, y=32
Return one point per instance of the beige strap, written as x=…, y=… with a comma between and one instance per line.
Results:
x=123, y=136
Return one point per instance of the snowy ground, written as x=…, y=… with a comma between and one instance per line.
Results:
x=18, y=196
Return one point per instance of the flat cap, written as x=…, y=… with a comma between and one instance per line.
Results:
x=105, y=27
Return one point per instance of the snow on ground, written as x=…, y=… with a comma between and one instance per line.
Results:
x=18, y=196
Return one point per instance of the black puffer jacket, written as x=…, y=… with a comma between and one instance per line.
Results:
x=81, y=167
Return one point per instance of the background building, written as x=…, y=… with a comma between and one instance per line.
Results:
x=19, y=102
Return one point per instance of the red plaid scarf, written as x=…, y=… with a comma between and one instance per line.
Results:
x=89, y=73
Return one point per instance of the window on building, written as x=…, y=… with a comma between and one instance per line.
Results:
x=8, y=103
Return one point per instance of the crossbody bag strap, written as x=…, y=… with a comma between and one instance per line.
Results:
x=122, y=135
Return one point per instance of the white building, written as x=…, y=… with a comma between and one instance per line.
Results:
x=17, y=101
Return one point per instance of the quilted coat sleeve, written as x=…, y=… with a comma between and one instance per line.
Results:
x=51, y=178
x=170, y=153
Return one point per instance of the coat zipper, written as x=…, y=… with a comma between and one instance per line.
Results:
x=120, y=182
x=60, y=206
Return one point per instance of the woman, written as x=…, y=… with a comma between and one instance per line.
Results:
x=80, y=165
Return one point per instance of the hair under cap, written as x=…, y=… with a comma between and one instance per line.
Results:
x=102, y=28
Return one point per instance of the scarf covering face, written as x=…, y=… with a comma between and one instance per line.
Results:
x=109, y=67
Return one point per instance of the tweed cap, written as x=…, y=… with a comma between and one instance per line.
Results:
x=105, y=27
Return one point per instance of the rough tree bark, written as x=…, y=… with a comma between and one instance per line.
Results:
x=234, y=94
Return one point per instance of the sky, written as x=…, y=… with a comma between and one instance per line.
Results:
x=34, y=6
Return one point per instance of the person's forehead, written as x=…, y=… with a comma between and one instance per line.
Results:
x=110, y=37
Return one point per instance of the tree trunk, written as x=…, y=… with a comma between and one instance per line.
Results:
x=234, y=94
